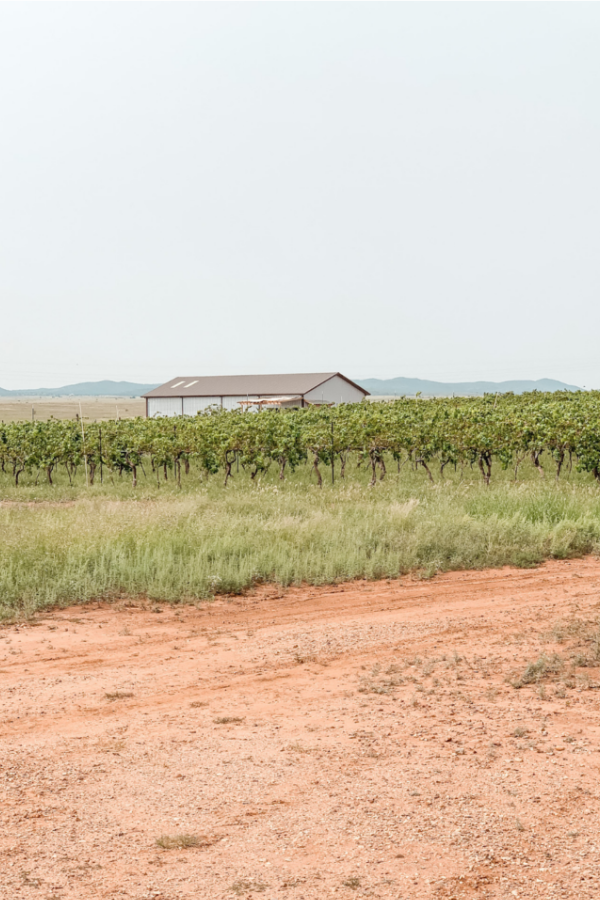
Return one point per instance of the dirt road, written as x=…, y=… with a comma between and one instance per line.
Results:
x=363, y=740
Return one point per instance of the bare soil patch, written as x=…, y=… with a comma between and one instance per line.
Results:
x=398, y=739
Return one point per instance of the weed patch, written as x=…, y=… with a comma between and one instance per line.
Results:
x=244, y=886
x=182, y=841
x=545, y=667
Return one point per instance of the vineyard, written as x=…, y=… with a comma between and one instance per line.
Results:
x=555, y=432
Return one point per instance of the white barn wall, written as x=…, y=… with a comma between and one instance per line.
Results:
x=233, y=402
x=164, y=406
x=193, y=405
x=334, y=390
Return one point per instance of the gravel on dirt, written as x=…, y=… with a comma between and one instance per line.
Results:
x=359, y=740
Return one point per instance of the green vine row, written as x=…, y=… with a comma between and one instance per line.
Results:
x=549, y=429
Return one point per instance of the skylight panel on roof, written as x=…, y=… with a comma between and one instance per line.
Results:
x=176, y=385
x=191, y=383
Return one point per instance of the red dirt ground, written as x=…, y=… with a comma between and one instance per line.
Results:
x=375, y=747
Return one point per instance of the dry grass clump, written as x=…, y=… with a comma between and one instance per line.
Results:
x=297, y=747
x=302, y=658
x=396, y=675
x=118, y=695
x=182, y=841
x=385, y=686
x=543, y=668
x=244, y=886
x=584, y=652
x=228, y=720
x=585, y=635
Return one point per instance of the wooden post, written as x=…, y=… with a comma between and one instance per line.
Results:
x=84, y=453
x=332, y=456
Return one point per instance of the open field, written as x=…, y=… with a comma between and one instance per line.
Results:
x=95, y=409
x=357, y=741
x=67, y=544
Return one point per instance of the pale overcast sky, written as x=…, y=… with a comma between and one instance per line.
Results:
x=381, y=189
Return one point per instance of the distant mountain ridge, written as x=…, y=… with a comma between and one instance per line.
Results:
x=378, y=387
x=410, y=386
x=86, y=389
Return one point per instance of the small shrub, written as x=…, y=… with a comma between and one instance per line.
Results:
x=298, y=748
x=595, y=642
x=543, y=667
x=228, y=720
x=118, y=695
x=243, y=886
x=429, y=667
x=304, y=658
x=181, y=841
x=581, y=661
x=384, y=687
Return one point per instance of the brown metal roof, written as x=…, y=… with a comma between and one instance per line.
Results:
x=240, y=385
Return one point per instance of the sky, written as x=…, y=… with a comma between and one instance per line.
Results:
x=377, y=189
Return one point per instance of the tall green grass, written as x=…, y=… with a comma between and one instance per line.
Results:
x=186, y=544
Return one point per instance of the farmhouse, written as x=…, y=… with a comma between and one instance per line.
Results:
x=187, y=396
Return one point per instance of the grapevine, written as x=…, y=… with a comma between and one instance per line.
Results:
x=552, y=430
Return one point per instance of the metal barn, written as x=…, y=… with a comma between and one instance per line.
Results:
x=187, y=396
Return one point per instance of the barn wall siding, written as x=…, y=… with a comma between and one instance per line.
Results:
x=335, y=390
x=193, y=405
x=233, y=402
x=164, y=406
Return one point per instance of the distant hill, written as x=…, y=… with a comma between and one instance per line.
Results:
x=378, y=387
x=86, y=389
x=410, y=386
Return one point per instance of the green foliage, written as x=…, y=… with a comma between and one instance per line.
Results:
x=549, y=429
